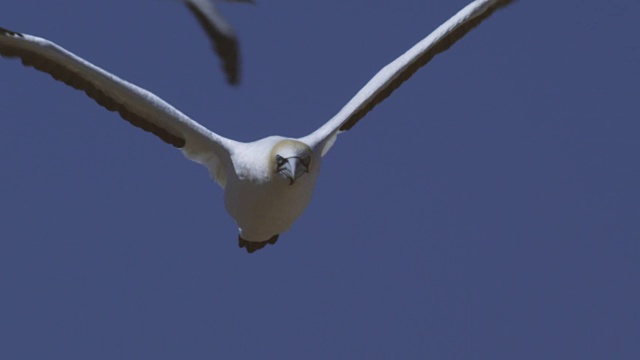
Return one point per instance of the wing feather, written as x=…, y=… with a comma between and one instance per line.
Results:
x=134, y=104
x=221, y=34
x=401, y=69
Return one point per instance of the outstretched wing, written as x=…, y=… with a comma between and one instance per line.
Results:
x=394, y=74
x=223, y=38
x=136, y=105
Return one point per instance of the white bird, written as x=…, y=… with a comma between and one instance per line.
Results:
x=267, y=183
x=221, y=34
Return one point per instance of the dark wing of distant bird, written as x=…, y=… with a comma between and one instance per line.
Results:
x=221, y=34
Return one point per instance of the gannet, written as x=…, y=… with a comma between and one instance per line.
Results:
x=269, y=182
x=223, y=38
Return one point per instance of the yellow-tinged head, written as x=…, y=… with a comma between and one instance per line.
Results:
x=291, y=159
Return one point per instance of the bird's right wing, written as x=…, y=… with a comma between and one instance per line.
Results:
x=136, y=105
x=398, y=71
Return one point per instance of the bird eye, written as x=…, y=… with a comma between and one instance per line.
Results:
x=306, y=161
x=280, y=160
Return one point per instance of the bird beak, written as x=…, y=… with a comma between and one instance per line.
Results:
x=293, y=169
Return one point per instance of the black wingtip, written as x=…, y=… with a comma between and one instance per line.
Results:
x=233, y=80
x=223, y=41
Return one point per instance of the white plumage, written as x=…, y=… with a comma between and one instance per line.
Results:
x=268, y=183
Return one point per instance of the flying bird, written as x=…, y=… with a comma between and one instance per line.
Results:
x=221, y=34
x=267, y=183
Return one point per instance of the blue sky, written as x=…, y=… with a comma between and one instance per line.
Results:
x=488, y=209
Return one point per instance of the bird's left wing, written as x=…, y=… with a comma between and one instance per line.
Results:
x=223, y=37
x=134, y=104
x=394, y=74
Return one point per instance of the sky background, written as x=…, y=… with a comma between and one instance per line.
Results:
x=488, y=209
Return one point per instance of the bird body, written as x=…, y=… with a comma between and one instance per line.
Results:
x=267, y=183
x=265, y=203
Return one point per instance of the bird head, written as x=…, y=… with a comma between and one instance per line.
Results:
x=291, y=159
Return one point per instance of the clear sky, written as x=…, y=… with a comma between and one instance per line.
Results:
x=488, y=209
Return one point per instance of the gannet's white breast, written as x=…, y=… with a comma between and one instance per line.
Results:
x=262, y=202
